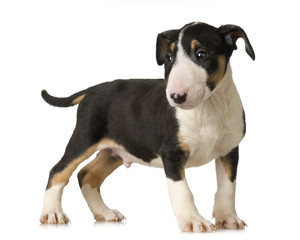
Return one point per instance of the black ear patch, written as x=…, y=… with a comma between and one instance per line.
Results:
x=162, y=43
x=231, y=34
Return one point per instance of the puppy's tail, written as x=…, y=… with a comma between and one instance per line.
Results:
x=64, y=102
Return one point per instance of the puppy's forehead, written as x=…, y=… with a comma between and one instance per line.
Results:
x=204, y=34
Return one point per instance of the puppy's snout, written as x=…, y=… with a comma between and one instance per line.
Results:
x=178, y=98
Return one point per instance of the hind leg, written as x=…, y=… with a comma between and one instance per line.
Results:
x=76, y=152
x=91, y=178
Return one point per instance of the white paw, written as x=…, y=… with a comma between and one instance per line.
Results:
x=195, y=224
x=229, y=221
x=55, y=217
x=110, y=215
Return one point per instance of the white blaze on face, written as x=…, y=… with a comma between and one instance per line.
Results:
x=186, y=77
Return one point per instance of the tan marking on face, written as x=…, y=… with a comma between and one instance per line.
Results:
x=78, y=99
x=217, y=76
x=101, y=167
x=195, y=44
x=65, y=174
x=227, y=167
x=172, y=47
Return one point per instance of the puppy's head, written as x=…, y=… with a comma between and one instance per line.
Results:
x=195, y=59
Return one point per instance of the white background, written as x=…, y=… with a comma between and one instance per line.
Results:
x=65, y=46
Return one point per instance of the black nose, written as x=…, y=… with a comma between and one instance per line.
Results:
x=177, y=98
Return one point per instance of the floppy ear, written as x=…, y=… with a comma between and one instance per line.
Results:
x=162, y=44
x=231, y=34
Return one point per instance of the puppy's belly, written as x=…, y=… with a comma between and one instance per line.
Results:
x=197, y=159
x=128, y=159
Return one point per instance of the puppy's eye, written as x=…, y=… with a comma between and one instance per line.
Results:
x=201, y=55
x=169, y=58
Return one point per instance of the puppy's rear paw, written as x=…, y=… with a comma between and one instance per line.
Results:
x=55, y=217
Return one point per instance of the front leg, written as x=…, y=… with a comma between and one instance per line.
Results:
x=189, y=220
x=224, y=208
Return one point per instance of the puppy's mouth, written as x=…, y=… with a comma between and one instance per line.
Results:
x=186, y=106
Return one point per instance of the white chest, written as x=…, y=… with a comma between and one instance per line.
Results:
x=212, y=130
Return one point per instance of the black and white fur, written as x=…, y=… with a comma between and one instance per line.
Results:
x=189, y=118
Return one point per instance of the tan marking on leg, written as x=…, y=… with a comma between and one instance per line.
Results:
x=78, y=99
x=182, y=173
x=101, y=167
x=195, y=44
x=110, y=143
x=184, y=147
x=91, y=178
x=64, y=175
x=227, y=167
x=99, y=218
x=217, y=76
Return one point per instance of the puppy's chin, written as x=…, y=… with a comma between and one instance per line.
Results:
x=185, y=106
